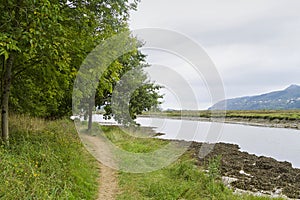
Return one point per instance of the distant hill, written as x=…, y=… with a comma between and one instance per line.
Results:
x=279, y=100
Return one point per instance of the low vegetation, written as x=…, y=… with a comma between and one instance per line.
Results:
x=184, y=179
x=258, y=114
x=266, y=114
x=46, y=160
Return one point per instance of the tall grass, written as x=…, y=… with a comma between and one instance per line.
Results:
x=46, y=160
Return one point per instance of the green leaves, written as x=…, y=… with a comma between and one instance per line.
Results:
x=132, y=92
x=5, y=53
x=50, y=39
x=7, y=45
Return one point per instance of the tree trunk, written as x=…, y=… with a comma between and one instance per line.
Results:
x=5, y=98
x=90, y=113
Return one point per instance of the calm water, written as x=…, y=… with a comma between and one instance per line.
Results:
x=279, y=143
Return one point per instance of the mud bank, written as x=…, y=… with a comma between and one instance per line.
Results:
x=262, y=122
x=253, y=173
x=276, y=123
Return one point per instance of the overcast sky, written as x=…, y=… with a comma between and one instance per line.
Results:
x=255, y=44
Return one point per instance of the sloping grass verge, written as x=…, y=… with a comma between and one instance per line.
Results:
x=46, y=160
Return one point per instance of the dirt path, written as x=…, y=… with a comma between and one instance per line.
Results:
x=108, y=182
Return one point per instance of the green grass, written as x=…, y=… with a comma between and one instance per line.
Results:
x=129, y=142
x=181, y=180
x=46, y=160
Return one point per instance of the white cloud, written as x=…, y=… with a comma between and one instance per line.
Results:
x=255, y=44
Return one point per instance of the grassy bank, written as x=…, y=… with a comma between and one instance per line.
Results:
x=46, y=160
x=181, y=180
x=250, y=114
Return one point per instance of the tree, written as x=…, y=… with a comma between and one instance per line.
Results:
x=31, y=36
x=115, y=62
x=133, y=93
x=42, y=44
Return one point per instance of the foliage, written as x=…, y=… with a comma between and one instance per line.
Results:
x=42, y=45
x=113, y=78
x=52, y=39
x=46, y=160
x=133, y=95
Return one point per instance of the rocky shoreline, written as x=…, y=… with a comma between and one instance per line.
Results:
x=248, y=173
x=257, y=174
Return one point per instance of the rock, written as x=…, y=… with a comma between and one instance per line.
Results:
x=265, y=163
x=253, y=173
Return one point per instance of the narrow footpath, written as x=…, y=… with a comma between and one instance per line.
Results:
x=108, y=180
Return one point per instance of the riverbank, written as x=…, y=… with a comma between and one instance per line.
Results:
x=264, y=118
x=46, y=159
x=244, y=172
x=247, y=172
x=261, y=122
x=187, y=178
x=273, y=123
x=257, y=174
